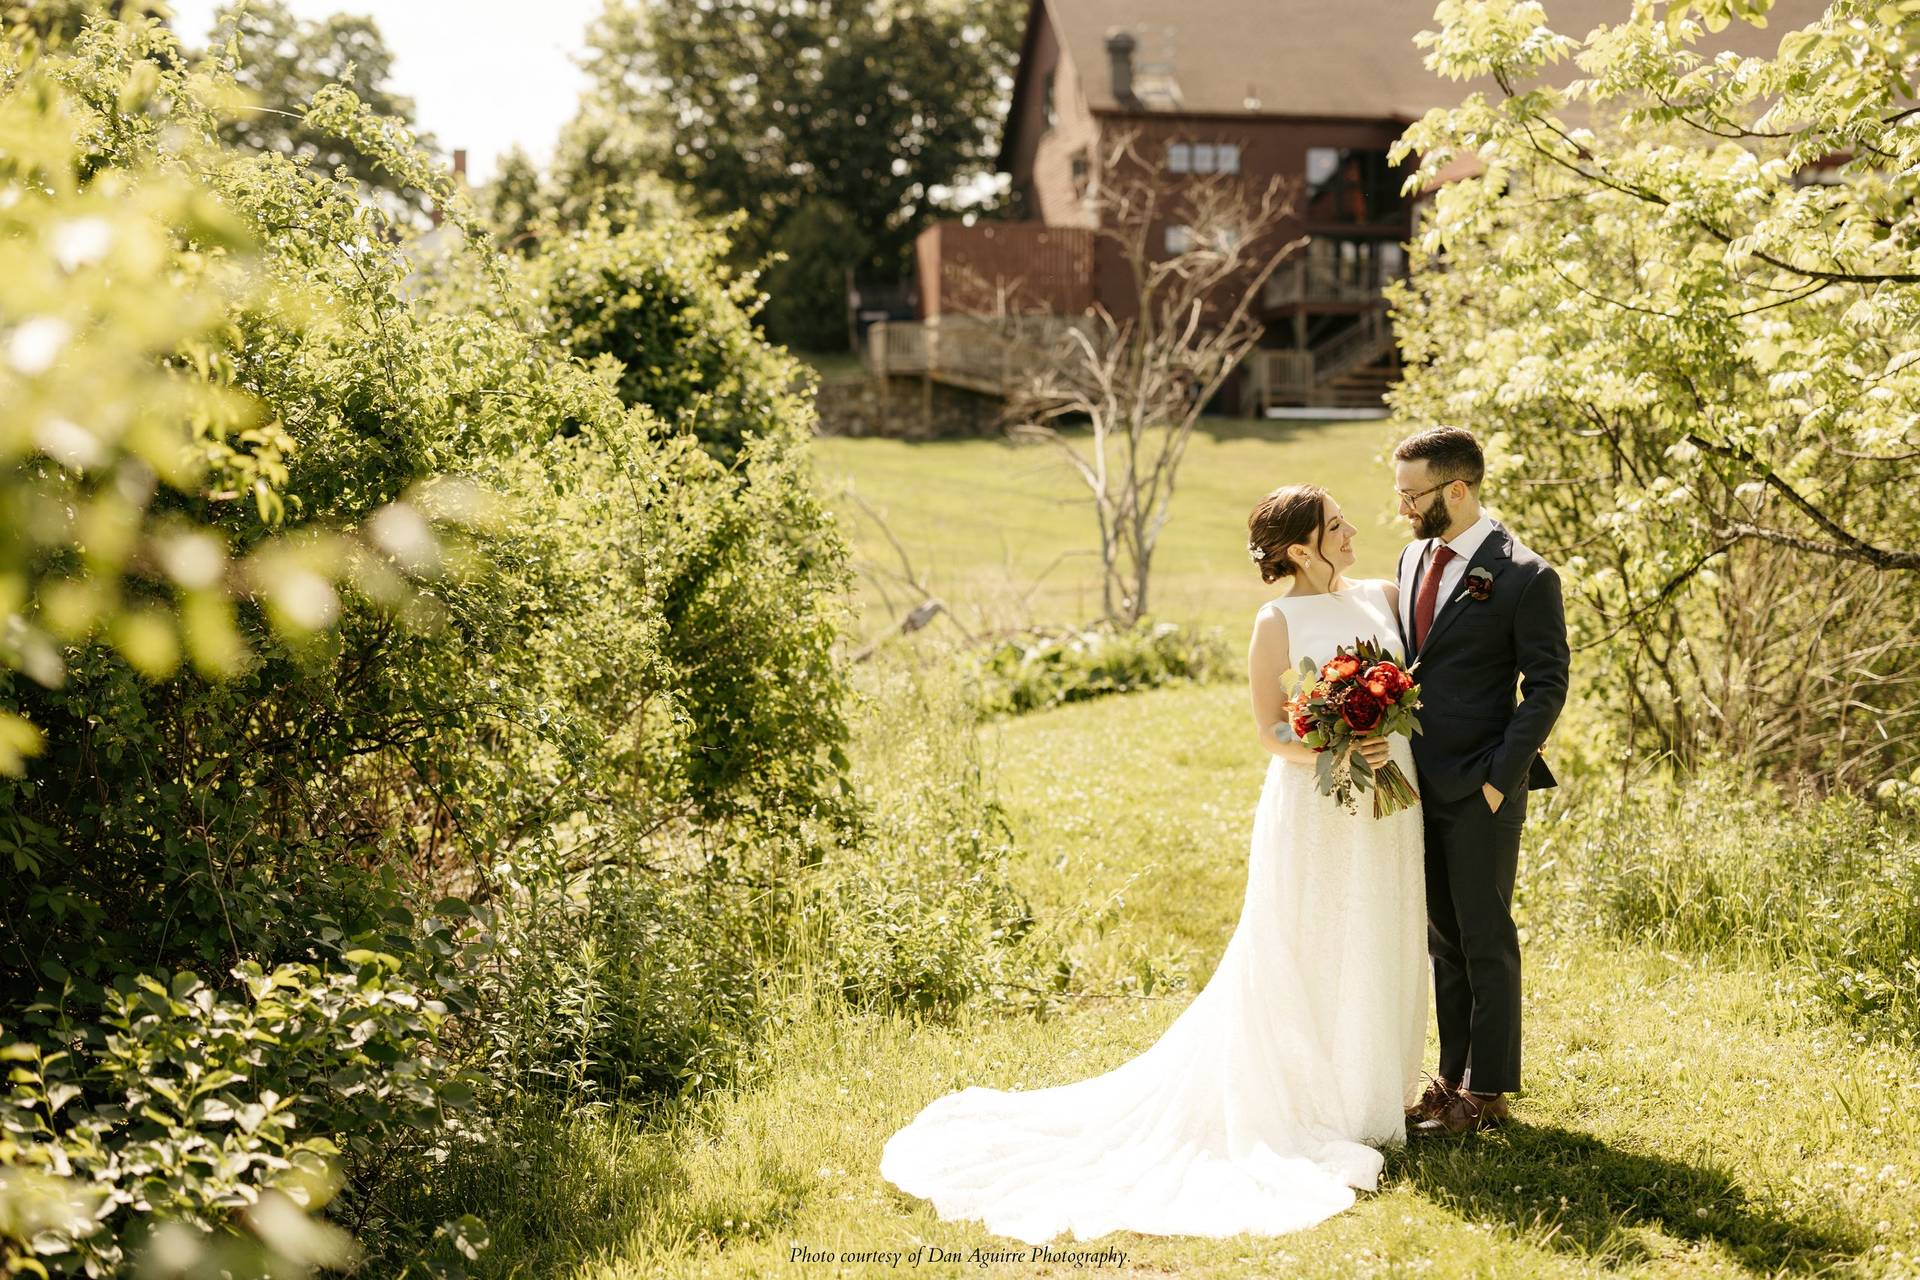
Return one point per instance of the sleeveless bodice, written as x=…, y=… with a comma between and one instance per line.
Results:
x=1318, y=625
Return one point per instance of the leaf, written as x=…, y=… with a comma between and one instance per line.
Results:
x=146, y=639
x=468, y=1236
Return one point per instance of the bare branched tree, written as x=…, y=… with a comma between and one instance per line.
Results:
x=1139, y=381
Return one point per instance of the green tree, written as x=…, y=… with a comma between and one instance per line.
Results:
x=57, y=22
x=1682, y=296
x=802, y=116
x=514, y=199
x=236, y=394
x=284, y=61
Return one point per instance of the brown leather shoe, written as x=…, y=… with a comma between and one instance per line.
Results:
x=1467, y=1113
x=1439, y=1093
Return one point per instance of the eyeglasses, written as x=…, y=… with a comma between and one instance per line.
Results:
x=1408, y=499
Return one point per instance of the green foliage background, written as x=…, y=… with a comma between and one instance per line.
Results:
x=1679, y=298
x=837, y=131
x=430, y=709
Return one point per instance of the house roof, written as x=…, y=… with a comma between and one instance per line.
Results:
x=1345, y=58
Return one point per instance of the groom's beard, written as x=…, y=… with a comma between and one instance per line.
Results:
x=1433, y=521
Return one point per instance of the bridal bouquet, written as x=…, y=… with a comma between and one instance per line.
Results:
x=1359, y=693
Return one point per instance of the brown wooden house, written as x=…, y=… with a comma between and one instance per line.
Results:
x=1314, y=91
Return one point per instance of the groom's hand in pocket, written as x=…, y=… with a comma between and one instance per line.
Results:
x=1494, y=798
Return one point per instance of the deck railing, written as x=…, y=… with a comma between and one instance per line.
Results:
x=1323, y=274
x=1305, y=377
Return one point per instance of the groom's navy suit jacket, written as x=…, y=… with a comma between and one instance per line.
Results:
x=1471, y=730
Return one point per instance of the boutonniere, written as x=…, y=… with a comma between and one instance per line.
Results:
x=1479, y=585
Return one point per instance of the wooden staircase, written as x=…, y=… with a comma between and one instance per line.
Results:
x=1362, y=388
x=1351, y=370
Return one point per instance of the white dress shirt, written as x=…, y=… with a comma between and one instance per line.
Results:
x=1464, y=545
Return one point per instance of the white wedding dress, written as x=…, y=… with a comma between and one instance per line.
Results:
x=1260, y=1108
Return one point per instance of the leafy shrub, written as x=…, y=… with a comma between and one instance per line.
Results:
x=1045, y=669
x=662, y=301
x=628, y=986
x=629, y=658
x=170, y=1101
x=650, y=643
x=918, y=913
x=1826, y=886
x=807, y=283
x=143, y=492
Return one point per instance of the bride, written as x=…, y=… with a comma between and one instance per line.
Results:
x=1260, y=1108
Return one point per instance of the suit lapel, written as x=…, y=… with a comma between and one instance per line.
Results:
x=1495, y=551
x=1409, y=583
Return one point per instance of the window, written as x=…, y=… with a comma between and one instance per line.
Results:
x=1078, y=167
x=1349, y=268
x=1203, y=157
x=1046, y=101
x=1322, y=164
x=1179, y=239
x=1353, y=185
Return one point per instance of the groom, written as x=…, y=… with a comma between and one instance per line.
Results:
x=1481, y=614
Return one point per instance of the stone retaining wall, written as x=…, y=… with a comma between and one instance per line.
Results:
x=905, y=408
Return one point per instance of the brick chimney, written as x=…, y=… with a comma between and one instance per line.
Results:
x=1120, y=48
x=434, y=215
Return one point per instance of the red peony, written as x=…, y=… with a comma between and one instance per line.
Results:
x=1362, y=710
x=1396, y=680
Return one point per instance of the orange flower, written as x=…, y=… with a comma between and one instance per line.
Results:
x=1344, y=667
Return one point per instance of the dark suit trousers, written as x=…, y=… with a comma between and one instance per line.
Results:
x=1472, y=856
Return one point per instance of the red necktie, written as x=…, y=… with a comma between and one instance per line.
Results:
x=1429, y=592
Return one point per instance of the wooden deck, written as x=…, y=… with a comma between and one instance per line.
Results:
x=993, y=356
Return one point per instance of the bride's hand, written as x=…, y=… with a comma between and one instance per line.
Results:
x=1373, y=750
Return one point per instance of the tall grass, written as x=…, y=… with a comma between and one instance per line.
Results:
x=1825, y=887
x=919, y=914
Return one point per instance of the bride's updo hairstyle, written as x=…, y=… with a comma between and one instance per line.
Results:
x=1293, y=515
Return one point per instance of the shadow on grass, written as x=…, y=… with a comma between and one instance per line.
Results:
x=1277, y=430
x=1570, y=1192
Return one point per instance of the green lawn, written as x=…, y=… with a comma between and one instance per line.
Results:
x=1005, y=533
x=834, y=366
x=1683, y=1117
